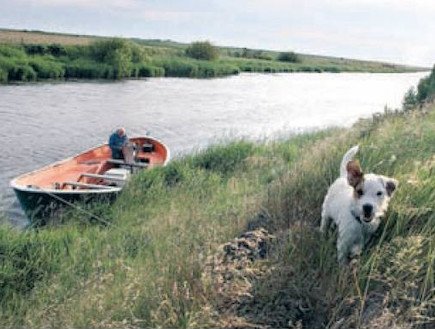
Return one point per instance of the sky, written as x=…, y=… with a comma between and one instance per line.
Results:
x=397, y=31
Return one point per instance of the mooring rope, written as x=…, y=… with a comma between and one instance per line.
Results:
x=72, y=205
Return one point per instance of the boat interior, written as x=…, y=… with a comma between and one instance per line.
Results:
x=95, y=169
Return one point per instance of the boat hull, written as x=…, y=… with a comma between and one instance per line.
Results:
x=40, y=205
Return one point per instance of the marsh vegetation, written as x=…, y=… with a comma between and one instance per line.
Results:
x=32, y=56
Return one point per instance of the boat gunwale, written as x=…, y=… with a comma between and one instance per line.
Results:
x=13, y=183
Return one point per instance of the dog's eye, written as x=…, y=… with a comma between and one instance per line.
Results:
x=379, y=193
x=360, y=192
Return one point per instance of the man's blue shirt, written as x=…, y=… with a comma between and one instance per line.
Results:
x=115, y=142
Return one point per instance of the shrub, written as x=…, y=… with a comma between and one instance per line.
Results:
x=6, y=63
x=426, y=87
x=76, y=52
x=12, y=51
x=14, y=65
x=289, y=57
x=116, y=53
x=21, y=72
x=56, y=50
x=202, y=50
x=410, y=99
x=35, y=49
x=138, y=53
x=46, y=68
x=3, y=76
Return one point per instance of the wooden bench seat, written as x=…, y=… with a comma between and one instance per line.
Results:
x=106, y=177
x=88, y=186
x=134, y=164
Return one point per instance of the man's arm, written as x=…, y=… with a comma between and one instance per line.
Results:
x=124, y=140
x=112, y=141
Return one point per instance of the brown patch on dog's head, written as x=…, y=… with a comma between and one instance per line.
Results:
x=358, y=190
x=390, y=186
x=355, y=175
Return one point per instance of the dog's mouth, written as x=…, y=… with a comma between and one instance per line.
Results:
x=368, y=217
x=364, y=217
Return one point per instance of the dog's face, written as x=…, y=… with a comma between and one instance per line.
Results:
x=372, y=193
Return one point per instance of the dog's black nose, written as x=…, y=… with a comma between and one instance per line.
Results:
x=368, y=209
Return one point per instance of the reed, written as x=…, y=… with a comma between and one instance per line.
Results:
x=88, y=69
x=190, y=68
x=46, y=67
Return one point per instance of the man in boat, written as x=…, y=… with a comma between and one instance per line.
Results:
x=116, y=142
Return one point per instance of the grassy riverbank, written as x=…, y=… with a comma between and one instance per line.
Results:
x=154, y=265
x=30, y=56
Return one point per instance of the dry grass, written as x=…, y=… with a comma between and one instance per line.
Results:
x=35, y=37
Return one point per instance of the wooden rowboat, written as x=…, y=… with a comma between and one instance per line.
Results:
x=90, y=175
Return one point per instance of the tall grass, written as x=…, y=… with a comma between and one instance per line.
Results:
x=393, y=283
x=46, y=67
x=184, y=67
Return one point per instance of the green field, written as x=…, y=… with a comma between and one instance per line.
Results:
x=27, y=56
x=160, y=262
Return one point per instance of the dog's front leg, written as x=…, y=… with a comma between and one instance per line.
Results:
x=349, y=245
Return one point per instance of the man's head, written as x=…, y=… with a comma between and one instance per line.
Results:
x=120, y=131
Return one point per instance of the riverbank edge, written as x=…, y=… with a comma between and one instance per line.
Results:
x=254, y=69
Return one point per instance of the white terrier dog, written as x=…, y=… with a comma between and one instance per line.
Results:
x=355, y=202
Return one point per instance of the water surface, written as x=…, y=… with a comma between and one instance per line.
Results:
x=43, y=123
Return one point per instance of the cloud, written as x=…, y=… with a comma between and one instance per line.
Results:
x=169, y=16
x=81, y=3
x=423, y=6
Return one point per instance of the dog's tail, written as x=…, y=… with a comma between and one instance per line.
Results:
x=346, y=158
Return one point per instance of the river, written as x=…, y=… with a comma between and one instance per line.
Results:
x=46, y=122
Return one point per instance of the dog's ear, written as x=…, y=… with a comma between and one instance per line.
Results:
x=355, y=174
x=390, y=185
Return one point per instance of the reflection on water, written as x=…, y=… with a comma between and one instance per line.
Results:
x=43, y=123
